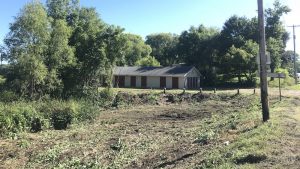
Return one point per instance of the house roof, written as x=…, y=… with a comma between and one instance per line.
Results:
x=177, y=71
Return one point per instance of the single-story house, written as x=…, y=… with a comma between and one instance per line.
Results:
x=171, y=77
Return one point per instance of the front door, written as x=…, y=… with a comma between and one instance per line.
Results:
x=144, y=82
x=119, y=81
x=162, y=82
x=175, y=82
x=133, y=81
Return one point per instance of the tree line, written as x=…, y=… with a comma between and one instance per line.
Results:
x=229, y=53
x=62, y=50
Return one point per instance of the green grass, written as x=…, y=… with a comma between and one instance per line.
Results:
x=294, y=87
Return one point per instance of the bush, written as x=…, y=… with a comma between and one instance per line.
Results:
x=287, y=81
x=61, y=118
x=106, y=94
x=8, y=96
x=19, y=117
x=34, y=116
x=87, y=111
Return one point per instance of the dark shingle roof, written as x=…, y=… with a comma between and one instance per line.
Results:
x=178, y=71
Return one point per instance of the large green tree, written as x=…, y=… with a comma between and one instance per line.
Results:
x=197, y=47
x=164, y=47
x=62, y=9
x=241, y=62
x=236, y=31
x=276, y=34
x=27, y=44
x=135, y=49
x=115, y=45
x=60, y=54
x=89, y=51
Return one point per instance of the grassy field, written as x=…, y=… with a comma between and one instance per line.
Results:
x=222, y=130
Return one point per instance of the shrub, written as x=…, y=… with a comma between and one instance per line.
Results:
x=18, y=117
x=205, y=137
x=152, y=97
x=34, y=116
x=61, y=118
x=106, y=94
x=36, y=125
x=87, y=111
x=5, y=124
x=8, y=96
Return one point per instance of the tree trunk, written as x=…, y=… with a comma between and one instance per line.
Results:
x=272, y=71
x=239, y=79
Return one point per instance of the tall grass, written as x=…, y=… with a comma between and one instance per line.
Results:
x=34, y=116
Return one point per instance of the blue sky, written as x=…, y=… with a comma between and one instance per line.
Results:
x=144, y=17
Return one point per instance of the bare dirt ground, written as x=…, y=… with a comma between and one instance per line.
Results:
x=158, y=136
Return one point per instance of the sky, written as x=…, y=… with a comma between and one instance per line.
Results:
x=144, y=17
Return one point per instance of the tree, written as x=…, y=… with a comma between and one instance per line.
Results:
x=3, y=55
x=274, y=25
x=164, y=47
x=114, y=49
x=135, y=49
x=241, y=62
x=60, y=54
x=275, y=47
x=90, y=53
x=236, y=31
x=287, y=61
x=27, y=44
x=61, y=9
x=197, y=47
x=148, y=61
x=276, y=34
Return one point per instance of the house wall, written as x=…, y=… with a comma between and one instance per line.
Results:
x=138, y=82
x=127, y=81
x=153, y=82
x=168, y=82
x=181, y=82
x=192, y=73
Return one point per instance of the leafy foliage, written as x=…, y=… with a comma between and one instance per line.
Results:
x=164, y=47
x=135, y=49
x=242, y=61
x=148, y=61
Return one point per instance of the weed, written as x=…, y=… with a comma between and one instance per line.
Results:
x=118, y=145
x=23, y=143
x=205, y=137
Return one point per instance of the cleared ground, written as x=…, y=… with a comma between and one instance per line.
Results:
x=217, y=131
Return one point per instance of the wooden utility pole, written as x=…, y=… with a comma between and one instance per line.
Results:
x=294, y=40
x=263, y=60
